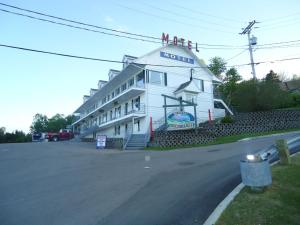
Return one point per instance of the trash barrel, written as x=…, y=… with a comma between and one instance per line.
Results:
x=256, y=173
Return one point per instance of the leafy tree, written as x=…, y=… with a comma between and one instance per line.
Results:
x=256, y=95
x=70, y=119
x=296, y=77
x=14, y=137
x=56, y=123
x=39, y=124
x=217, y=66
x=230, y=84
x=42, y=124
x=2, y=134
x=272, y=76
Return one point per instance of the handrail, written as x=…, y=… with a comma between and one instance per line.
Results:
x=147, y=136
x=127, y=138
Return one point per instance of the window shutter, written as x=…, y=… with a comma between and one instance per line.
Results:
x=202, y=85
x=166, y=79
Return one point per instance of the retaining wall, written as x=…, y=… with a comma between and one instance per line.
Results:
x=253, y=122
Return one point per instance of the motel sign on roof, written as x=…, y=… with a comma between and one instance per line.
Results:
x=179, y=41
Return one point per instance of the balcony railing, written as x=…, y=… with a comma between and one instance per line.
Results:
x=99, y=106
x=138, y=109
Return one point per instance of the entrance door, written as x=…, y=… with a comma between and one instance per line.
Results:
x=137, y=126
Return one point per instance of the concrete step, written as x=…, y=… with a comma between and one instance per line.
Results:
x=134, y=148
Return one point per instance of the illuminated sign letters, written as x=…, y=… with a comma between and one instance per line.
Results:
x=179, y=41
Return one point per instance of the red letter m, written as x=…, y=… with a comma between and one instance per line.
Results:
x=165, y=37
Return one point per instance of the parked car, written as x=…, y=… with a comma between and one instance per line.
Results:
x=63, y=134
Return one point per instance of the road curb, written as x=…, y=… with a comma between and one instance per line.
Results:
x=215, y=215
x=269, y=135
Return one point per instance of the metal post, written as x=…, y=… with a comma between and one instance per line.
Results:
x=165, y=108
x=251, y=56
x=180, y=103
x=195, y=112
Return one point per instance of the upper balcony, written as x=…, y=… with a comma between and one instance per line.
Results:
x=131, y=92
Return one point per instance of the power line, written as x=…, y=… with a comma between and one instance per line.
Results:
x=90, y=25
x=197, y=12
x=111, y=34
x=282, y=42
x=78, y=22
x=281, y=17
x=226, y=60
x=182, y=15
x=141, y=64
x=77, y=27
x=172, y=20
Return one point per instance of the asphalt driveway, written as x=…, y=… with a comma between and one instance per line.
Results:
x=73, y=183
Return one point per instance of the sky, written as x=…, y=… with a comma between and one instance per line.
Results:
x=33, y=83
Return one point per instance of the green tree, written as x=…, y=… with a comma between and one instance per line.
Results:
x=230, y=84
x=56, y=123
x=272, y=76
x=217, y=66
x=2, y=134
x=39, y=124
x=254, y=95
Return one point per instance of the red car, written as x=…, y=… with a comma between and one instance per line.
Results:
x=64, y=134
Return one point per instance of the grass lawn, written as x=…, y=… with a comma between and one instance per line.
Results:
x=224, y=140
x=277, y=205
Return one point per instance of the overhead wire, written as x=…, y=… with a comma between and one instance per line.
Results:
x=142, y=64
x=183, y=15
x=170, y=19
x=78, y=22
x=240, y=53
x=77, y=27
x=96, y=26
x=197, y=12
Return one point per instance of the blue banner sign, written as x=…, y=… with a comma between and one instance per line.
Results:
x=180, y=120
x=177, y=57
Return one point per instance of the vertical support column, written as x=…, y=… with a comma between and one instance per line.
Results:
x=180, y=103
x=132, y=125
x=195, y=114
x=209, y=116
x=165, y=108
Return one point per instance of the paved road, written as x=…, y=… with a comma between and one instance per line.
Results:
x=68, y=183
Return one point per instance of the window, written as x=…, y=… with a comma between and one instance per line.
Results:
x=117, y=130
x=123, y=87
x=140, y=79
x=119, y=111
x=126, y=109
x=131, y=82
x=105, y=117
x=199, y=83
x=158, y=78
x=111, y=115
x=108, y=97
x=191, y=98
x=103, y=100
x=155, y=77
x=113, y=94
x=117, y=91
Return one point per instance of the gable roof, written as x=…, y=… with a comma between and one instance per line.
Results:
x=182, y=86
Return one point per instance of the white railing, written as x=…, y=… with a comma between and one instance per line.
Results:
x=84, y=115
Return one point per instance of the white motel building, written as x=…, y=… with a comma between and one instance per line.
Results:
x=130, y=102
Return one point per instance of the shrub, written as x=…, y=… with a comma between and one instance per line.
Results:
x=227, y=119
